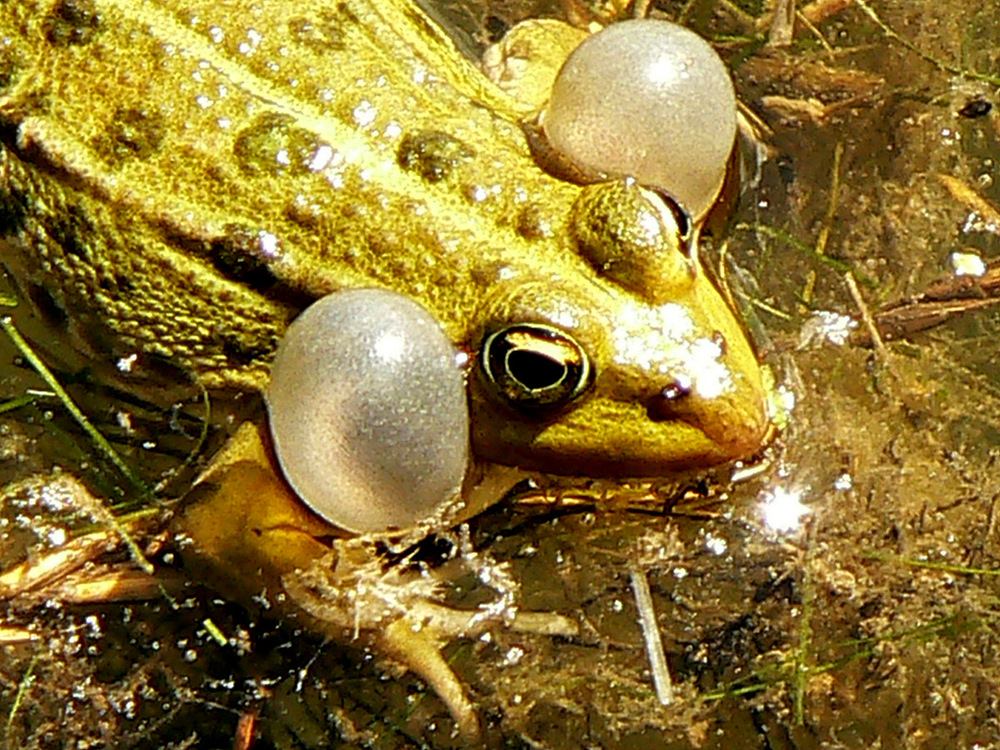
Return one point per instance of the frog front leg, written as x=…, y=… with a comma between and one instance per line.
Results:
x=369, y=424
x=248, y=535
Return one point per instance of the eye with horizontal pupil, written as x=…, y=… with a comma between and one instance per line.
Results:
x=536, y=367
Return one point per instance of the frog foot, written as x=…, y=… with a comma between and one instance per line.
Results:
x=349, y=595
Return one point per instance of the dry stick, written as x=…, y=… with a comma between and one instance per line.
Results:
x=102, y=445
x=651, y=635
x=782, y=28
x=866, y=317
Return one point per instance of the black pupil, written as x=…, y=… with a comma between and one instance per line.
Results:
x=533, y=370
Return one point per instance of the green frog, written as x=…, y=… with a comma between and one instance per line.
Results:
x=179, y=180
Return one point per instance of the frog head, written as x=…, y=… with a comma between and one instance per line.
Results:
x=635, y=367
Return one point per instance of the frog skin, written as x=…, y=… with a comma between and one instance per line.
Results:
x=179, y=183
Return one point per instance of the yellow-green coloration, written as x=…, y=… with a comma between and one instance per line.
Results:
x=180, y=179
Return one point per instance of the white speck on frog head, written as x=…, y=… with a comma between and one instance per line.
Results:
x=270, y=246
x=321, y=158
x=664, y=341
x=364, y=113
x=253, y=41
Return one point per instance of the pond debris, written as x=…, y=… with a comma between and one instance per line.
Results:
x=782, y=24
x=804, y=91
x=950, y=296
x=39, y=571
x=891, y=33
x=868, y=320
x=651, y=635
x=100, y=442
x=246, y=731
x=115, y=585
x=989, y=215
x=215, y=631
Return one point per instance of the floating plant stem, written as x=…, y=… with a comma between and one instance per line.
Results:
x=26, y=682
x=941, y=64
x=99, y=441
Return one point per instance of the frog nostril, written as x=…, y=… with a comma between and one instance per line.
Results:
x=664, y=406
x=719, y=339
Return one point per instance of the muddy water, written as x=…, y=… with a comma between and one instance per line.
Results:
x=844, y=597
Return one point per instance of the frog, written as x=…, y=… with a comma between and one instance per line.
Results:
x=179, y=181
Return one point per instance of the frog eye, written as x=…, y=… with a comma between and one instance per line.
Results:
x=535, y=366
x=681, y=219
x=368, y=411
x=647, y=99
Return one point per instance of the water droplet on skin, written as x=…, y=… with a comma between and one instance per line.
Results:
x=273, y=143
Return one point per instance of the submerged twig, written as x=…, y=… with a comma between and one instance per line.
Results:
x=651, y=635
x=834, y=193
x=971, y=199
x=817, y=34
x=867, y=319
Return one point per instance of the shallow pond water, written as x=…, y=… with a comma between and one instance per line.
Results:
x=844, y=597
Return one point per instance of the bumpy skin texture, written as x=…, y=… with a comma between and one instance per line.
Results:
x=179, y=179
